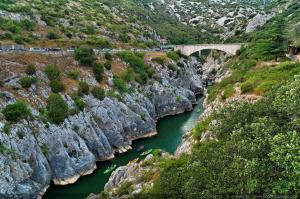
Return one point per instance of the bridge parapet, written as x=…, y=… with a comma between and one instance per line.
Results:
x=230, y=49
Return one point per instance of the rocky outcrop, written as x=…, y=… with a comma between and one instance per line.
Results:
x=258, y=21
x=33, y=152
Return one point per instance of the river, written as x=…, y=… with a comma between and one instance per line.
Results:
x=170, y=130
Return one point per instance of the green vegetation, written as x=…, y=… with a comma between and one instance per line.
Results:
x=26, y=81
x=174, y=56
x=120, y=85
x=85, y=56
x=108, y=56
x=255, y=153
x=57, y=86
x=107, y=65
x=73, y=74
x=15, y=112
x=98, y=70
x=52, y=36
x=52, y=72
x=30, y=69
x=136, y=62
x=79, y=103
x=98, y=93
x=83, y=88
x=57, y=108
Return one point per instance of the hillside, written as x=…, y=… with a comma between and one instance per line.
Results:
x=246, y=143
x=106, y=24
x=61, y=113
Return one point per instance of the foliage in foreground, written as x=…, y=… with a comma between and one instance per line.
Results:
x=15, y=112
x=257, y=152
x=57, y=108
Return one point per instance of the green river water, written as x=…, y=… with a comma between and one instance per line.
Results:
x=170, y=130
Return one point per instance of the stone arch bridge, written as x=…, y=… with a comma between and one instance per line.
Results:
x=187, y=50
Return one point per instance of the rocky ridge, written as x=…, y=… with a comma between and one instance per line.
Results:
x=139, y=176
x=33, y=155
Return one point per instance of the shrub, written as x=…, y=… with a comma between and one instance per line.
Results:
x=1, y=83
x=15, y=112
x=159, y=60
x=248, y=86
x=98, y=70
x=107, y=65
x=120, y=84
x=85, y=56
x=73, y=74
x=57, y=86
x=228, y=92
x=30, y=69
x=79, y=103
x=52, y=72
x=83, y=88
x=98, y=93
x=108, y=56
x=26, y=82
x=173, y=55
x=57, y=108
x=172, y=67
x=52, y=36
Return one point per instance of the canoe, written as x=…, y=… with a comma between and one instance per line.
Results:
x=146, y=152
x=110, y=169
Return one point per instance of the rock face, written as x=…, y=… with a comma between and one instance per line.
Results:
x=33, y=152
x=258, y=21
x=135, y=176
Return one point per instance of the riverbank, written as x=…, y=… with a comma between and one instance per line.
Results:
x=170, y=131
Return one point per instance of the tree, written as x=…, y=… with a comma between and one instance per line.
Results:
x=30, y=69
x=83, y=88
x=57, y=108
x=98, y=93
x=15, y=112
x=85, y=56
x=52, y=72
x=98, y=70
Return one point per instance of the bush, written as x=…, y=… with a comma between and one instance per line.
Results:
x=120, y=84
x=85, y=56
x=52, y=36
x=98, y=70
x=15, y=112
x=248, y=86
x=138, y=65
x=98, y=93
x=159, y=60
x=108, y=56
x=73, y=74
x=107, y=65
x=1, y=83
x=172, y=67
x=173, y=55
x=52, y=72
x=26, y=82
x=57, y=86
x=57, y=108
x=79, y=103
x=30, y=69
x=83, y=88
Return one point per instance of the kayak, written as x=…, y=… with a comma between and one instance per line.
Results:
x=140, y=148
x=146, y=152
x=198, y=110
x=110, y=169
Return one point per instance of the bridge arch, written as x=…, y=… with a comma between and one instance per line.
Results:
x=187, y=50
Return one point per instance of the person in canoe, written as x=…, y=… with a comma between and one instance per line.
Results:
x=140, y=148
x=110, y=169
x=146, y=152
